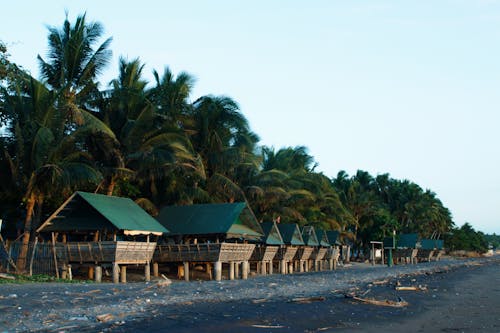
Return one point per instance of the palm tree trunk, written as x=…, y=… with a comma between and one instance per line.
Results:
x=21, y=260
x=111, y=186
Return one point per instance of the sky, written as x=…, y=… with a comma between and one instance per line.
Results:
x=410, y=88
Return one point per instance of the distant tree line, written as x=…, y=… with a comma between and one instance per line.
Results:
x=155, y=143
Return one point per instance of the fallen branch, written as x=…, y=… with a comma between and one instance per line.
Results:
x=398, y=304
x=7, y=276
x=105, y=317
x=160, y=284
x=260, y=300
x=268, y=326
x=411, y=288
x=380, y=282
x=304, y=300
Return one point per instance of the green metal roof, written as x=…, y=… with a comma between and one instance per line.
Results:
x=407, y=240
x=333, y=237
x=431, y=244
x=235, y=220
x=290, y=233
x=89, y=212
x=272, y=234
x=309, y=235
x=323, y=237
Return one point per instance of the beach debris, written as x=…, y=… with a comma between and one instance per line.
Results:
x=105, y=317
x=268, y=326
x=395, y=304
x=379, y=282
x=412, y=288
x=162, y=283
x=259, y=300
x=7, y=276
x=305, y=300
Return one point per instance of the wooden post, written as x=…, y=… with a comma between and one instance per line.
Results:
x=70, y=273
x=270, y=267
x=98, y=274
x=231, y=270
x=147, y=272
x=263, y=268
x=290, y=268
x=373, y=254
x=218, y=270
x=245, y=268
x=116, y=273
x=316, y=266
x=209, y=271
x=155, y=270
x=330, y=264
x=55, y=254
x=33, y=256
x=301, y=266
x=237, y=270
x=123, y=274
x=91, y=272
x=186, y=270
x=283, y=266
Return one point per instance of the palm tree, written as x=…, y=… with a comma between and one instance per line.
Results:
x=74, y=62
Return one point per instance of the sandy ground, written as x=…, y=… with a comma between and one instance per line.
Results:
x=461, y=296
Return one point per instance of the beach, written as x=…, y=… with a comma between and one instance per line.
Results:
x=458, y=295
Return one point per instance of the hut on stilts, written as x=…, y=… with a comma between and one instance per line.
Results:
x=292, y=238
x=210, y=235
x=97, y=231
x=333, y=253
x=265, y=252
x=311, y=241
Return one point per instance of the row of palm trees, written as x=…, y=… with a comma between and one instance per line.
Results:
x=148, y=141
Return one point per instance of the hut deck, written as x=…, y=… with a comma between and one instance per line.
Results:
x=205, y=252
x=264, y=253
x=286, y=253
x=318, y=253
x=120, y=252
x=303, y=253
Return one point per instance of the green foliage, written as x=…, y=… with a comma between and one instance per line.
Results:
x=466, y=238
x=39, y=278
x=493, y=240
x=151, y=143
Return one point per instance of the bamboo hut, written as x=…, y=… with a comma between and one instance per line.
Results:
x=326, y=247
x=265, y=252
x=430, y=249
x=406, y=249
x=209, y=234
x=333, y=254
x=96, y=231
x=311, y=240
x=287, y=254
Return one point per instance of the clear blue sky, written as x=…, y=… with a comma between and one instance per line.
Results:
x=411, y=88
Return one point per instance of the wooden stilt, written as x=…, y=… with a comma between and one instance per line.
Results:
x=231, y=270
x=116, y=273
x=147, y=272
x=283, y=266
x=237, y=270
x=245, y=268
x=186, y=270
x=270, y=263
x=290, y=268
x=123, y=274
x=263, y=270
x=98, y=274
x=156, y=272
x=218, y=270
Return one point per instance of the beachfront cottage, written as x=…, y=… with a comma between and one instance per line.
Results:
x=431, y=249
x=333, y=254
x=95, y=231
x=264, y=253
x=406, y=249
x=311, y=240
x=286, y=255
x=209, y=234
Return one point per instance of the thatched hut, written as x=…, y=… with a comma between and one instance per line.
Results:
x=97, y=230
x=209, y=234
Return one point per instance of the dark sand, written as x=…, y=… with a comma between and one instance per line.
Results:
x=462, y=296
x=464, y=299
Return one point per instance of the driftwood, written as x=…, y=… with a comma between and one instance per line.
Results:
x=380, y=282
x=411, y=288
x=7, y=276
x=305, y=300
x=268, y=326
x=259, y=300
x=105, y=317
x=398, y=304
x=162, y=283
